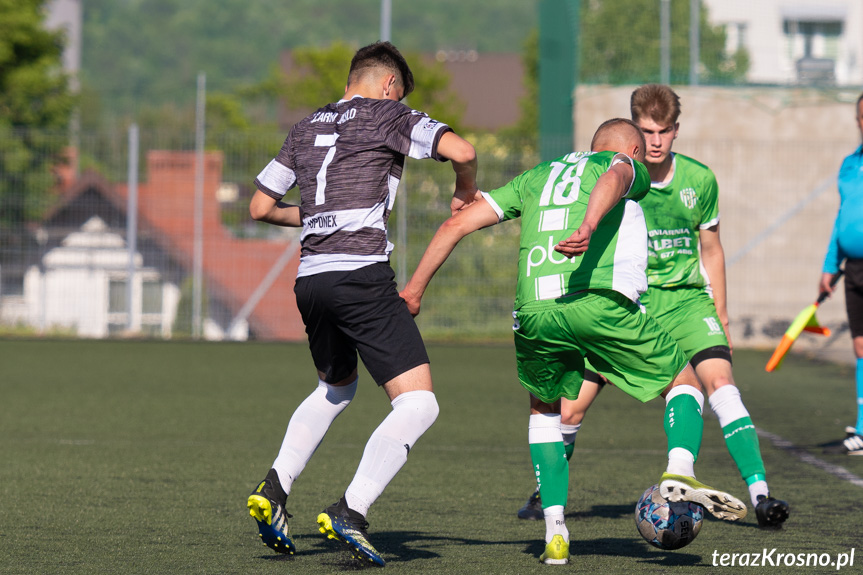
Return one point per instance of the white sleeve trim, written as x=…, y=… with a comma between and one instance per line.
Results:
x=624, y=159
x=494, y=206
x=277, y=178
x=710, y=224
x=423, y=138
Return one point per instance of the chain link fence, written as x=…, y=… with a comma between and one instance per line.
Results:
x=73, y=262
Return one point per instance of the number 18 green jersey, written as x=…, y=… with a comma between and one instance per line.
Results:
x=551, y=200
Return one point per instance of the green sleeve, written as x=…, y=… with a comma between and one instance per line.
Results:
x=509, y=197
x=710, y=202
x=641, y=182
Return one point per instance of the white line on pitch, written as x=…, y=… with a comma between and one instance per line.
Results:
x=807, y=457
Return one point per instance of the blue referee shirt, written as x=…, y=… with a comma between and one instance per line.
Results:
x=847, y=238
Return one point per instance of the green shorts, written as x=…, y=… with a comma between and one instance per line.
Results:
x=689, y=315
x=553, y=338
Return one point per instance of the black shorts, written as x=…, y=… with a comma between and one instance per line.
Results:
x=359, y=311
x=593, y=377
x=854, y=296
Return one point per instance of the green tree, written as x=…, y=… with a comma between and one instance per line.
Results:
x=35, y=108
x=148, y=52
x=618, y=50
x=319, y=75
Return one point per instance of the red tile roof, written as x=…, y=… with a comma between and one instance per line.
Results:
x=233, y=268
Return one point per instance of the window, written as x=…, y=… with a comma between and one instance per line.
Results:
x=152, y=298
x=735, y=37
x=151, y=308
x=813, y=39
x=812, y=46
x=117, y=296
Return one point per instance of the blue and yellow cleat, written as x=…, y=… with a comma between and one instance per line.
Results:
x=267, y=507
x=684, y=488
x=343, y=524
x=556, y=551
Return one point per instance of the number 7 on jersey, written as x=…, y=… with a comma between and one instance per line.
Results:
x=326, y=141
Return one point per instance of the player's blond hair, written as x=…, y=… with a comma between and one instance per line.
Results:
x=656, y=102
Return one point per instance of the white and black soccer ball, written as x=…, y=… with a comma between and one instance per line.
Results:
x=665, y=524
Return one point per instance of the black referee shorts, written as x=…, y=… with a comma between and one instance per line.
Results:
x=359, y=311
x=854, y=296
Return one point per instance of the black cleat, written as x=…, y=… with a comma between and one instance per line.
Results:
x=533, y=508
x=267, y=506
x=342, y=523
x=771, y=512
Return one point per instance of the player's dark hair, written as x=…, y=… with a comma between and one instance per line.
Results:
x=382, y=55
x=657, y=102
x=614, y=124
x=859, y=99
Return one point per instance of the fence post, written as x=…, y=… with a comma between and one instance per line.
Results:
x=198, y=257
x=132, y=222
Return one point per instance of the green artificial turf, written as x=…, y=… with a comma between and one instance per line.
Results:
x=137, y=457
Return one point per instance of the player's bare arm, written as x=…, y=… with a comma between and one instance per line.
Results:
x=476, y=216
x=263, y=208
x=713, y=259
x=462, y=155
x=610, y=188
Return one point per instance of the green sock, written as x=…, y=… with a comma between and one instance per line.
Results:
x=742, y=442
x=683, y=423
x=552, y=472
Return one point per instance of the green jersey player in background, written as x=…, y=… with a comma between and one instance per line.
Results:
x=686, y=293
x=581, y=265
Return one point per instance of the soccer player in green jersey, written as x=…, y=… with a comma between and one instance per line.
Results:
x=686, y=293
x=581, y=267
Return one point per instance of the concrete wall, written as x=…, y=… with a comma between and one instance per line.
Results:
x=775, y=153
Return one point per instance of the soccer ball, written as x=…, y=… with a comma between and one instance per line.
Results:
x=665, y=524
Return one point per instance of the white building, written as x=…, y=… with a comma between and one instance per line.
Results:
x=90, y=268
x=795, y=41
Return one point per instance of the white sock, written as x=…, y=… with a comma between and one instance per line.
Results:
x=388, y=447
x=688, y=390
x=681, y=462
x=555, y=524
x=307, y=428
x=727, y=405
x=756, y=489
x=569, y=432
x=544, y=428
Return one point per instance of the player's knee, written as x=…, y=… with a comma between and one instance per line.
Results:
x=339, y=394
x=717, y=383
x=431, y=409
x=421, y=406
x=571, y=416
x=685, y=378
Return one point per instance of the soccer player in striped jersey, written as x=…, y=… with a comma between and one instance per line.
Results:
x=347, y=159
x=686, y=293
x=581, y=269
